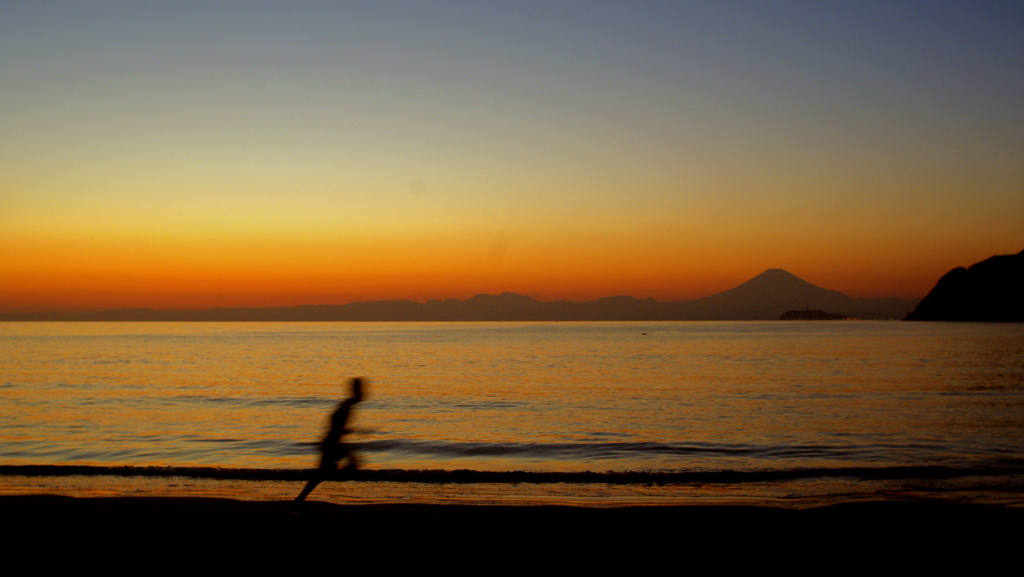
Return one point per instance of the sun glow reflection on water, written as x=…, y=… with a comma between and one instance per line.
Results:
x=528, y=396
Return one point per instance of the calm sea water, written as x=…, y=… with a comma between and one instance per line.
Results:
x=667, y=396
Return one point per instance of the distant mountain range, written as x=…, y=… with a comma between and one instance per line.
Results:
x=991, y=290
x=764, y=297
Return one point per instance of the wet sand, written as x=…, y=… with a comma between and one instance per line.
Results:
x=464, y=476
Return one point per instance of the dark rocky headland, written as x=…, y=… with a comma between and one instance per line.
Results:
x=989, y=291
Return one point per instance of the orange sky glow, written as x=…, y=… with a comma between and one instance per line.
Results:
x=327, y=156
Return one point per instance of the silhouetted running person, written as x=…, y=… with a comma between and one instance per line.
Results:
x=332, y=448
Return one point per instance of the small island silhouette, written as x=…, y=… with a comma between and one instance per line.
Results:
x=812, y=315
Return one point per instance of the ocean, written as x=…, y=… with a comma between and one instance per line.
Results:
x=770, y=409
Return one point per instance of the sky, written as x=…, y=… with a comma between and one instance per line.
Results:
x=193, y=155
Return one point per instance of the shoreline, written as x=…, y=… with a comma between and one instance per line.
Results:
x=186, y=507
x=475, y=488
x=471, y=476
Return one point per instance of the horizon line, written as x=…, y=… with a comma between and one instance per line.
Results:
x=10, y=312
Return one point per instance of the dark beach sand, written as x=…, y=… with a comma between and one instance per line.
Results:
x=166, y=521
x=179, y=534
x=190, y=530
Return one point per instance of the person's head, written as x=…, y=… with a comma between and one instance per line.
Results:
x=356, y=385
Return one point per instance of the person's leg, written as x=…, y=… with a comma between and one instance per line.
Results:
x=326, y=466
x=309, y=487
